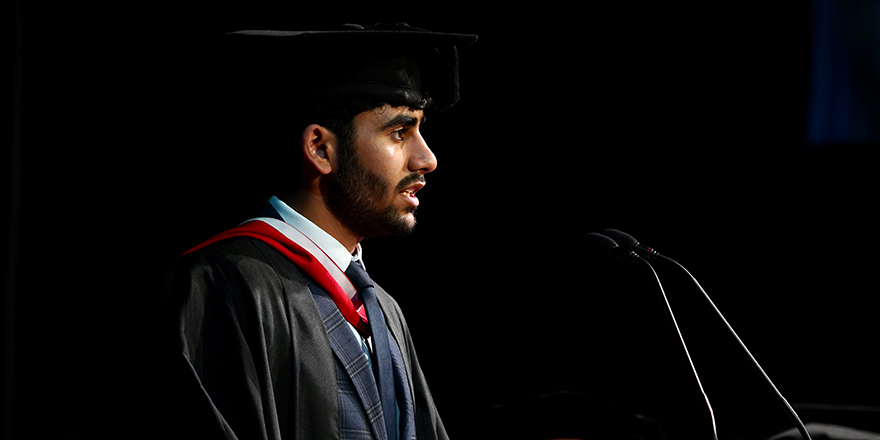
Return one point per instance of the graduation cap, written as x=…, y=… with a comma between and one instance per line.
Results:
x=393, y=63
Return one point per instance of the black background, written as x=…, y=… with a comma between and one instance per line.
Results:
x=684, y=126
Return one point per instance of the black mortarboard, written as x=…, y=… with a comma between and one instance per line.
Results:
x=388, y=62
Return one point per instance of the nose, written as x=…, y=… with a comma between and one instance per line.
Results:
x=421, y=158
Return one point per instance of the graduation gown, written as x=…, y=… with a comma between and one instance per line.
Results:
x=251, y=355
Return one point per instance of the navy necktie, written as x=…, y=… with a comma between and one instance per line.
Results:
x=381, y=345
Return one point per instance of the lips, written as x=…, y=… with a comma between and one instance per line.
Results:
x=410, y=192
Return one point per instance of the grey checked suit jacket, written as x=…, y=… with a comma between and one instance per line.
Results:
x=360, y=412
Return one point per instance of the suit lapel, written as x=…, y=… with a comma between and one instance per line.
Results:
x=350, y=352
x=392, y=320
x=402, y=366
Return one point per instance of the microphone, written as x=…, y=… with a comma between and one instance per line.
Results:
x=606, y=246
x=629, y=242
x=610, y=247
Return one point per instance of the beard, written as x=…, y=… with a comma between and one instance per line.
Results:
x=356, y=195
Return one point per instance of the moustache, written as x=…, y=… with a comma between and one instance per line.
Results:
x=411, y=179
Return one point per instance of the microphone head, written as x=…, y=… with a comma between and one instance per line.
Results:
x=606, y=246
x=625, y=240
x=600, y=242
x=628, y=242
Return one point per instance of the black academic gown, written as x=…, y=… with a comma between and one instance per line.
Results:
x=251, y=357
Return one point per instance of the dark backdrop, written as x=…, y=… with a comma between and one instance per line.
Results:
x=698, y=129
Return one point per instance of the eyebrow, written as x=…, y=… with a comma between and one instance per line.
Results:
x=403, y=119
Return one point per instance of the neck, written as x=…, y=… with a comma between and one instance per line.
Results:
x=312, y=207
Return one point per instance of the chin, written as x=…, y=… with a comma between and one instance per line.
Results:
x=402, y=225
x=405, y=225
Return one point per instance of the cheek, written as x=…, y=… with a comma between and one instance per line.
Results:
x=386, y=161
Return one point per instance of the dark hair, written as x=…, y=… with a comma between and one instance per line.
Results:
x=338, y=115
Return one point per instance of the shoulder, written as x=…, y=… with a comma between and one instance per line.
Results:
x=235, y=262
x=227, y=252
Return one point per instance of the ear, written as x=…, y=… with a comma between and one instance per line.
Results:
x=318, y=146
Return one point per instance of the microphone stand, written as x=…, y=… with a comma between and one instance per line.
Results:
x=662, y=293
x=784, y=403
x=651, y=253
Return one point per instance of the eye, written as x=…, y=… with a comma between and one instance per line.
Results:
x=400, y=134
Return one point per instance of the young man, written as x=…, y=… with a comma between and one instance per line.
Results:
x=278, y=331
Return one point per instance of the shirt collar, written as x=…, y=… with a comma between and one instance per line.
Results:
x=332, y=247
